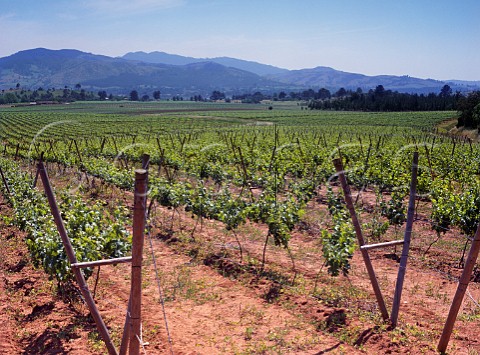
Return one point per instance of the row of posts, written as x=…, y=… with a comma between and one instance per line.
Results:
x=132, y=340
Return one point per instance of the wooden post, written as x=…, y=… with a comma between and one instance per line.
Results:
x=126, y=330
x=432, y=174
x=5, y=182
x=461, y=289
x=145, y=161
x=139, y=210
x=358, y=231
x=36, y=147
x=78, y=151
x=162, y=155
x=81, y=162
x=36, y=179
x=37, y=174
x=52, y=149
x=406, y=245
x=73, y=260
x=102, y=145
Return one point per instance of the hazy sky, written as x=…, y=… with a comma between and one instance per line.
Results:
x=437, y=39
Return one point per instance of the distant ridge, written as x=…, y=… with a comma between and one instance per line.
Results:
x=174, y=59
x=318, y=77
x=187, y=76
x=329, y=77
x=56, y=68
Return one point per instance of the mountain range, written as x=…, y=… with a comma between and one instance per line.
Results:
x=187, y=76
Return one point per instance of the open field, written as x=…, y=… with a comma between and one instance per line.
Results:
x=244, y=219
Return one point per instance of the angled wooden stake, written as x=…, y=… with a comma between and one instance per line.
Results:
x=358, y=231
x=37, y=174
x=102, y=328
x=126, y=330
x=461, y=289
x=145, y=161
x=5, y=182
x=36, y=178
x=406, y=243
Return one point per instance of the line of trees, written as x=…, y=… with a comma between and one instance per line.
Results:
x=134, y=96
x=378, y=99
x=469, y=108
x=18, y=95
x=381, y=99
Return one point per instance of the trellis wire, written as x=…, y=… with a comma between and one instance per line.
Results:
x=472, y=299
x=159, y=286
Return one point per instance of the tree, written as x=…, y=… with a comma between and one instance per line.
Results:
x=134, y=95
x=341, y=92
x=156, y=95
x=217, y=95
x=324, y=94
x=145, y=98
x=78, y=86
x=308, y=94
x=469, y=110
x=379, y=90
x=476, y=113
x=66, y=93
x=282, y=95
x=257, y=97
x=446, y=91
x=102, y=95
x=10, y=98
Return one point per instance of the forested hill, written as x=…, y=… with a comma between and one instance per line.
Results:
x=187, y=76
x=58, y=68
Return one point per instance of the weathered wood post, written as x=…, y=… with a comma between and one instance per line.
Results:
x=461, y=289
x=145, y=161
x=139, y=214
x=102, y=328
x=5, y=182
x=358, y=231
x=406, y=245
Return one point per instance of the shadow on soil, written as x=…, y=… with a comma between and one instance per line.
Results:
x=50, y=341
x=329, y=349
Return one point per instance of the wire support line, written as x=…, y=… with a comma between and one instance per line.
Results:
x=467, y=291
x=140, y=341
x=160, y=291
x=472, y=299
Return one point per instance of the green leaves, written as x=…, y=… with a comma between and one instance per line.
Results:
x=338, y=245
x=394, y=210
x=94, y=233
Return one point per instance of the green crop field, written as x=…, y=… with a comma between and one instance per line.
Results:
x=201, y=150
x=237, y=165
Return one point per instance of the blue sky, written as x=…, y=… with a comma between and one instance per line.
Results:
x=423, y=38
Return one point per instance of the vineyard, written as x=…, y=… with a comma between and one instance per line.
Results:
x=251, y=247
